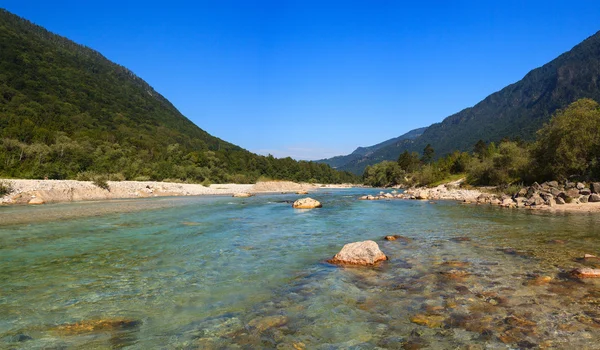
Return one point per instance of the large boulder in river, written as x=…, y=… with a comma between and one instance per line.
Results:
x=242, y=195
x=594, y=197
x=364, y=253
x=36, y=201
x=595, y=187
x=306, y=203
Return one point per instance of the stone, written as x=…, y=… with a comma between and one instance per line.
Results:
x=580, y=186
x=522, y=192
x=594, y=198
x=569, y=185
x=101, y=325
x=242, y=195
x=397, y=237
x=555, y=191
x=586, y=272
x=535, y=200
x=422, y=195
x=455, y=274
x=302, y=192
x=583, y=199
x=261, y=324
x=585, y=192
x=595, y=187
x=560, y=200
x=359, y=253
x=388, y=195
x=507, y=202
x=307, y=203
x=540, y=281
x=551, y=202
x=36, y=201
x=553, y=184
x=431, y=321
x=572, y=193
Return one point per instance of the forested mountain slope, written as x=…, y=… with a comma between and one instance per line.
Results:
x=65, y=110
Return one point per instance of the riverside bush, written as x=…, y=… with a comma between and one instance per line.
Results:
x=5, y=188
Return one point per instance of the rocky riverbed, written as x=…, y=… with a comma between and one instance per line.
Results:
x=551, y=196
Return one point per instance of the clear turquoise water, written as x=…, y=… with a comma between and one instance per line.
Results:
x=220, y=272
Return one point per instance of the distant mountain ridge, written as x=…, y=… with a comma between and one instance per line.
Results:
x=516, y=111
x=346, y=162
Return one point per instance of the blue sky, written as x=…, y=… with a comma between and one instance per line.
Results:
x=314, y=79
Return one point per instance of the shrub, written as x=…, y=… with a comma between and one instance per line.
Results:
x=101, y=181
x=5, y=188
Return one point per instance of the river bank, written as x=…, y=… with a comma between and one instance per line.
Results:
x=53, y=191
x=549, y=196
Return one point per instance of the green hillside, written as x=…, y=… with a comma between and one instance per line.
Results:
x=517, y=111
x=67, y=112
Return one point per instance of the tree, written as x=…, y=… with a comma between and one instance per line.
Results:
x=428, y=153
x=570, y=143
x=480, y=149
x=409, y=162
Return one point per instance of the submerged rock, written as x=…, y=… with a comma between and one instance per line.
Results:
x=359, y=253
x=586, y=273
x=102, y=325
x=261, y=324
x=397, y=237
x=431, y=321
x=302, y=192
x=307, y=203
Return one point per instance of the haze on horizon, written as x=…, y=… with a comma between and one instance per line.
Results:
x=311, y=79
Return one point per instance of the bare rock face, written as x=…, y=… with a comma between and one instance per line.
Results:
x=307, y=203
x=36, y=201
x=364, y=253
x=242, y=195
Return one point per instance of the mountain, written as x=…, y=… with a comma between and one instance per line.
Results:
x=67, y=112
x=516, y=111
x=364, y=153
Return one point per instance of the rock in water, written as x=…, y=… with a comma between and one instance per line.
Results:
x=586, y=273
x=359, y=253
x=242, y=195
x=36, y=201
x=306, y=203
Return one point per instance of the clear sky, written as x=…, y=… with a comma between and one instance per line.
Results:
x=314, y=79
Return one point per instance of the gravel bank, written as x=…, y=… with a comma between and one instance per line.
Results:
x=51, y=191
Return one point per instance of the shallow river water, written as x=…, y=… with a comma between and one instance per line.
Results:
x=233, y=273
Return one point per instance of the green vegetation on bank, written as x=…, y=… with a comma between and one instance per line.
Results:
x=568, y=147
x=66, y=112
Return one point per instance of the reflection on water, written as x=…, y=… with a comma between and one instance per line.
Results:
x=250, y=273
